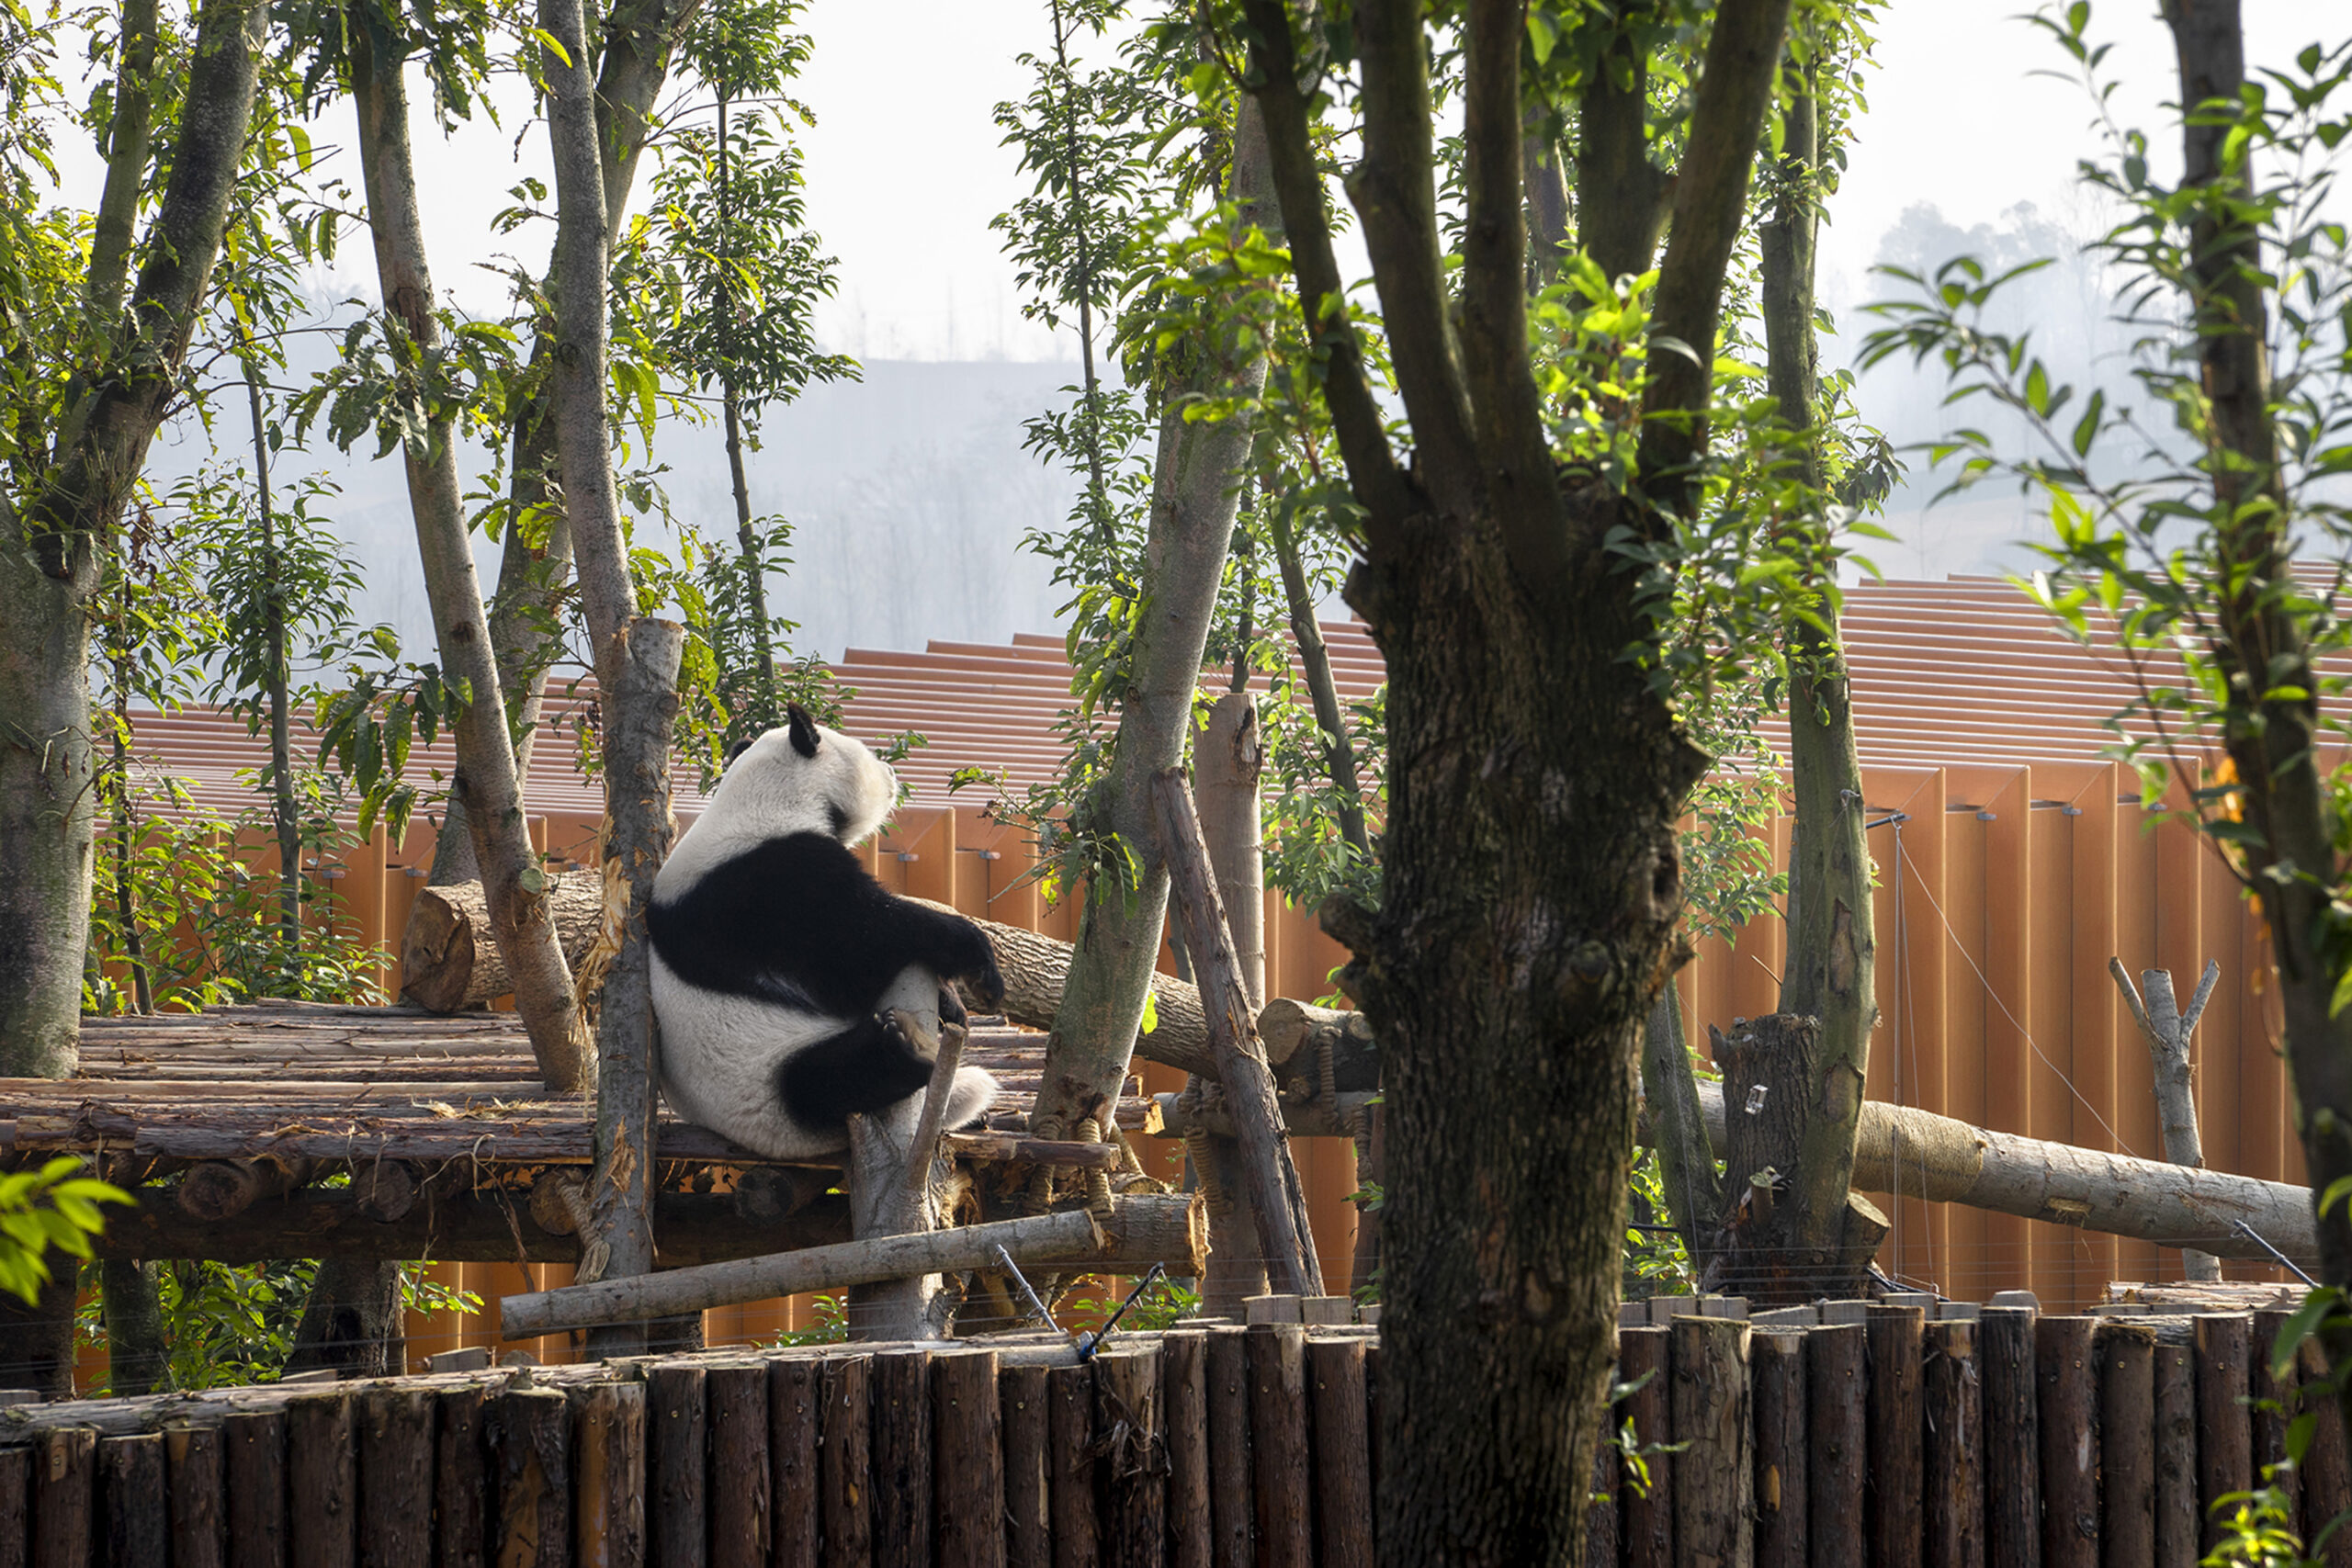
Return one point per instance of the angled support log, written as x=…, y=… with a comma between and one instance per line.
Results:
x=1069, y=1238
x=894, y=1175
x=1273, y=1180
x=2167, y=1029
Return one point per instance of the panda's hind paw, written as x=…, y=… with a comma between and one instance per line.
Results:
x=906, y=1031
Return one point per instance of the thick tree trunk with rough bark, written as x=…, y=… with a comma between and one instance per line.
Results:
x=352, y=1323
x=1195, y=492
x=52, y=549
x=486, y=781
x=136, y=1346
x=1531, y=881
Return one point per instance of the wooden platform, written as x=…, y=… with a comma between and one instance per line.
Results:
x=357, y=1084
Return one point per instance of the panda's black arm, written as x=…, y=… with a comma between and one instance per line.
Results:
x=942, y=942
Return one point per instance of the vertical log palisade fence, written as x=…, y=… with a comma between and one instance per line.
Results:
x=1220, y=1444
x=2007, y=1439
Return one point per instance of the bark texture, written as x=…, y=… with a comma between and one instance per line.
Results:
x=448, y=958
x=352, y=1323
x=1532, y=886
x=1197, y=481
x=50, y=554
x=2166, y=1030
x=486, y=781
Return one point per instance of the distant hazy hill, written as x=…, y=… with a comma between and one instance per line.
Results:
x=909, y=495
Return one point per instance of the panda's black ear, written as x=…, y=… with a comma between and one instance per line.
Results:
x=804, y=731
x=732, y=752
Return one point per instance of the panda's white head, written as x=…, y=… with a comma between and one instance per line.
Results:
x=797, y=778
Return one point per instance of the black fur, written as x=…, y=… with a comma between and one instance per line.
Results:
x=804, y=737
x=799, y=921
x=867, y=1067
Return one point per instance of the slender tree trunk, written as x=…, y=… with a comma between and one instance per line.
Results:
x=281, y=725
x=1195, y=489
x=50, y=563
x=1339, y=750
x=1228, y=762
x=487, y=780
x=1832, y=959
x=2272, y=740
x=755, y=577
x=126, y=822
x=129, y=145
x=1097, y=498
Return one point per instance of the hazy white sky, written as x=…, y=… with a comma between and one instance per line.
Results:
x=905, y=168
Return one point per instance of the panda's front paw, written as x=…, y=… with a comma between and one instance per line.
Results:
x=950, y=1007
x=984, y=987
x=905, y=1031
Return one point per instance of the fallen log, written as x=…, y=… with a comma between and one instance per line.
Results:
x=1166, y=1117
x=445, y=967
x=1917, y=1154
x=1300, y=1037
x=1066, y=1237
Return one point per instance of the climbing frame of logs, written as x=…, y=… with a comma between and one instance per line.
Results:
x=1007, y=1453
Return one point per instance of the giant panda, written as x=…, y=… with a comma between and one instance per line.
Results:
x=774, y=950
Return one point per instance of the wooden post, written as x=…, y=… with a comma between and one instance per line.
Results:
x=133, y=1502
x=2065, y=1367
x=2224, y=1436
x=461, y=1478
x=2273, y=1409
x=321, y=1483
x=2127, y=1432
x=199, y=1497
x=1229, y=757
x=1777, y=1373
x=1184, y=1403
x=528, y=1434
x=1837, y=1425
x=16, y=1506
x=1645, y=1357
x=65, y=1494
x=640, y=702
x=2327, y=1475
x=1952, y=1448
x=2177, y=1526
x=968, y=1460
x=676, y=1447
x=2012, y=1438
x=1711, y=1415
x=795, y=1391
x=893, y=1170
x=1021, y=1399
x=608, y=1475
x=1069, y=1467
x=1343, y=1499
x=1128, y=1430
x=254, y=1454
x=2166, y=1030
x=900, y=1446
x=1232, y=1465
x=1284, y=1481
x=396, y=1478
x=846, y=1462
x=1273, y=1180
x=736, y=1404
x=1895, y=1468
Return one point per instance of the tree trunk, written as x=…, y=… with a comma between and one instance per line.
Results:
x=352, y=1323
x=1195, y=487
x=49, y=561
x=281, y=741
x=2168, y=1031
x=37, y=1337
x=1832, y=957
x=1339, y=750
x=1686, y=1165
x=1229, y=759
x=486, y=781
x=1531, y=885
x=137, y=1352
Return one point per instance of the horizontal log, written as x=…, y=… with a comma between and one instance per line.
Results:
x=1043, y=1238
x=1166, y=1118
x=448, y=958
x=476, y=1227
x=1918, y=1153
x=1020, y=1148
x=1298, y=1034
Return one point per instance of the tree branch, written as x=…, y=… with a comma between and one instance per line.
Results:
x=1710, y=202
x=1388, y=495
x=1394, y=190
x=1514, y=459
x=1620, y=195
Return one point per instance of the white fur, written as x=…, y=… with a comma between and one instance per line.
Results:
x=720, y=1052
